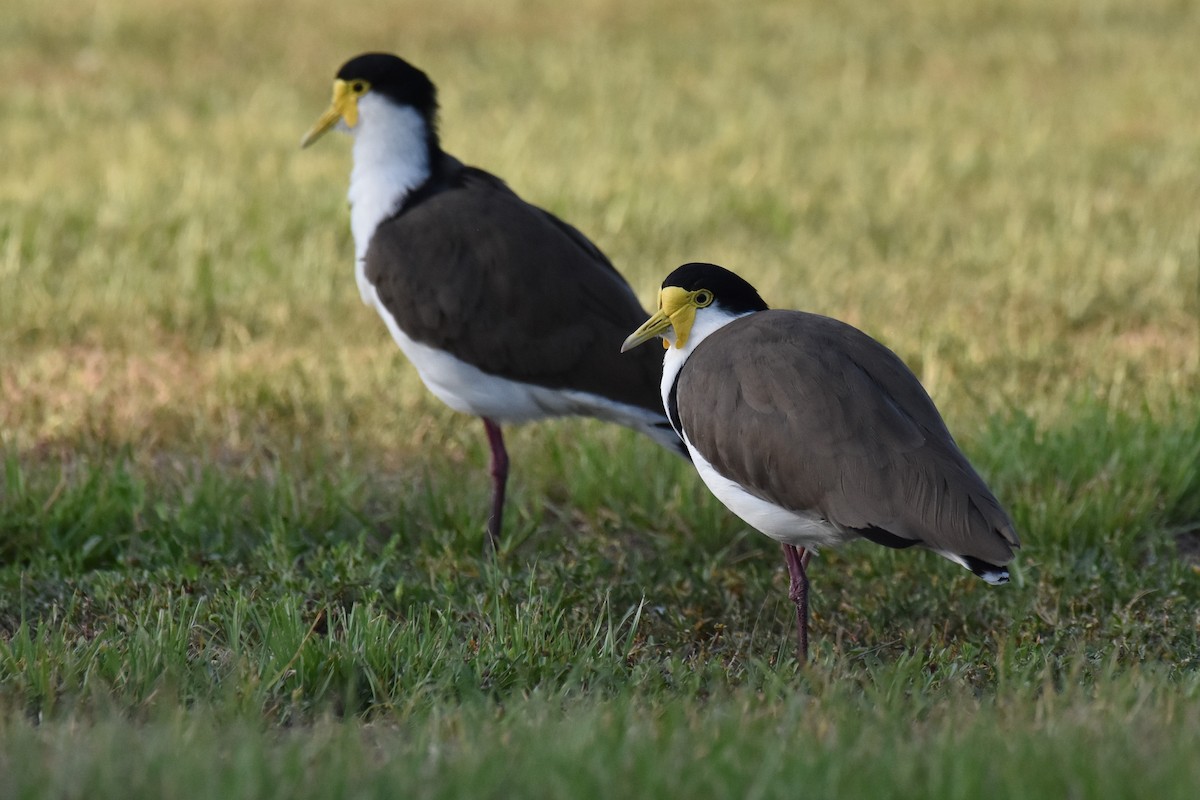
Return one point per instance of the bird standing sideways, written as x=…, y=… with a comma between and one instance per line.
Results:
x=507, y=312
x=814, y=433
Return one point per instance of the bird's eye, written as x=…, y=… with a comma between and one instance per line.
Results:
x=702, y=298
x=359, y=87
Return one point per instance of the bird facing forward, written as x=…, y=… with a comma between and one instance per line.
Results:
x=507, y=312
x=814, y=433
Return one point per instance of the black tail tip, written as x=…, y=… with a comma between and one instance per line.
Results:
x=993, y=574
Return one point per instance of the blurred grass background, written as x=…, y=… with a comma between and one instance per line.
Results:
x=1006, y=195
x=225, y=489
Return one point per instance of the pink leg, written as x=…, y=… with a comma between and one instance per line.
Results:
x=797, y=559
x=499, y=470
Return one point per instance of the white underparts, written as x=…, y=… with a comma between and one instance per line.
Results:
x=470, y=390
x=800, y=528
x=391, y=159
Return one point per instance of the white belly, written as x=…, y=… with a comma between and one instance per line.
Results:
x=388, y=164
x=802, y=529
x=470, y=390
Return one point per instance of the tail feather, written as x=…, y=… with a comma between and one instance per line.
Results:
x=991, y=573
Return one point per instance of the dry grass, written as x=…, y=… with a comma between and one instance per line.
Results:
x=227, y=504
x=1006, y=195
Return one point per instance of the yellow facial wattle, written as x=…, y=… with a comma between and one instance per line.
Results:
x=343, y=107
x=676, y=311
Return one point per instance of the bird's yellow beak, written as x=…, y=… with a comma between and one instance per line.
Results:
x=676, y=313
x=343, y=107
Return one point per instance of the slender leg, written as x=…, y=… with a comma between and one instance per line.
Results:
x=797, y=559
x=499, y=470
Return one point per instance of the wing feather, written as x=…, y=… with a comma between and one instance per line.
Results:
x=814, y=415
x=473, y=269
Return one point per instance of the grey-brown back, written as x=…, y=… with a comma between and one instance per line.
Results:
x=444, y=268
x=812, y=414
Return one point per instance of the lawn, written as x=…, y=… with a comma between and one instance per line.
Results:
x=241, y=548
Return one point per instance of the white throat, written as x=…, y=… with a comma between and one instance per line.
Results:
x=708, y=321
x=391, y=159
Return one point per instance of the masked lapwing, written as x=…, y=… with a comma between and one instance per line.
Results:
x=507, y=312
x=814, y=433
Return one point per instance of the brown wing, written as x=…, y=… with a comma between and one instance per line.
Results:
x=814, y=415
x=473, y=269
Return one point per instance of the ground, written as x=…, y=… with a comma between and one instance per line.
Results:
x=241, y=548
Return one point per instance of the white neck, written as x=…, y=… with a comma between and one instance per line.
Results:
x=708, y=321
x=391, y=158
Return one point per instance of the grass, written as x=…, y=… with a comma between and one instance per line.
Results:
x=240, y=546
